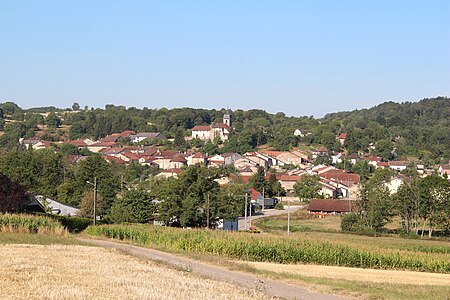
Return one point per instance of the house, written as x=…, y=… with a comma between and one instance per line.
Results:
x=178, y=161
x=244, y=162
x=341, y=138
x=444, y=170
x=297, y=132
x=282, y=158
x=395, y=182
x=248, y=171
x=173, y=172
x=34, y=143
x=259, y=159
x=114, y=137
x=319, y=151
x=197, y=158
x=341, y=176
x=201, y=132
x=287, y=181
x=142, y=136
x=221, y=131
x=98, y=146
x=373, y=160
x=56, y=207
x=229, y=158
x=336, y=157
x=398, y=165
x=329, y=206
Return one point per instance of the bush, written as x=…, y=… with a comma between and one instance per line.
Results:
x=279, y=206
x=72, y=224
x=350, y=222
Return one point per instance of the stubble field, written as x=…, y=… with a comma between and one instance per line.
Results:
x=81, y=272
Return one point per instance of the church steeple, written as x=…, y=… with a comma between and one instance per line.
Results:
x=227, y=118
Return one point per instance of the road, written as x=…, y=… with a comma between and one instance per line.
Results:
x=266, y=213
x=270, y=287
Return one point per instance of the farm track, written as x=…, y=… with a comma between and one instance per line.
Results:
x=268, y=286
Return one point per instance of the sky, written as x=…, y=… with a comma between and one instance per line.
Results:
x=298, y=57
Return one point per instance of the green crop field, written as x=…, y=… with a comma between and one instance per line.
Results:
x=326, y=250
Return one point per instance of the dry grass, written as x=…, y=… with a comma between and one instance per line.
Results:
x=80, y=272
x=356, y=274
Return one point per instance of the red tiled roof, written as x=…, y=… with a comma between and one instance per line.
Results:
x=199, y=155
x=117, y=160
x=255, y=194
x=178, y=158
x=342, y=136
x=382, y=164
x=341, y=176
x=78, y=143
x=329, y=205
x=396, y=163
x=173, y=170
x=201, y=128
x=221, y=125
x=372, y=158
x=104, y=144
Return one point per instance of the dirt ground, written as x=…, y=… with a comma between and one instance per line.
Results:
x=356, y=274
x=82, y=272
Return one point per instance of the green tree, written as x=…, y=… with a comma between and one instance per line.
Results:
x=258, y=181
x=135, y=206
x=308, y=187
x=53, y=121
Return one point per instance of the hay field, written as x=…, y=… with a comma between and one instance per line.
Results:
x=81, y=272
x=356, y=274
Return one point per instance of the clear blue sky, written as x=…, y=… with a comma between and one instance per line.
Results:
x=299, y=57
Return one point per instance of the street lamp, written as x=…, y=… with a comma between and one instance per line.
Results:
x=246, y=209
x=289, y=216
x=95, y=198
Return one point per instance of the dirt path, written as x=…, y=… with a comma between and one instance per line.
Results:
x=270, y=287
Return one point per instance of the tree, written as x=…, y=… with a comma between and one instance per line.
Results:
x=75, y=106
x=135, y=206
x=179, y=138
x=374, y=206
x=53, y=121
x=12, y=195
x=406, y=204
x=307, y=187
x=258, y=181
x=87, y=205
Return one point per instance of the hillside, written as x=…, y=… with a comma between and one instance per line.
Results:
x=391, y=130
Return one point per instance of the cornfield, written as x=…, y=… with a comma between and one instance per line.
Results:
x=270, y=248
x=15, y=223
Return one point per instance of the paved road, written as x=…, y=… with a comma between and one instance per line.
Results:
x=268, y=286
x=266, y=213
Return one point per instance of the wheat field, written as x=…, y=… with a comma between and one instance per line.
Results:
x=82, y=272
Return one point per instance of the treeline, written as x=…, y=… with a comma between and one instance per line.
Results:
x=421, y=204
x=391, y=130
x=124, y=193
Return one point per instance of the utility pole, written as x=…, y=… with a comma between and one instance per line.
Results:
x=264, y=197
x=207, y=212
x=95, y=201
x=250, y=219
x=289, y=217
x=246, y=208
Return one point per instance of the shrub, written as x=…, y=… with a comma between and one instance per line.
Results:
x=350, y=222
x=72, y=224
x=279, y=206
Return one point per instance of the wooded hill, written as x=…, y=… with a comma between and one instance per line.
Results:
x=396, y=130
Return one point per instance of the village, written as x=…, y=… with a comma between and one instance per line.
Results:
x=129, y=147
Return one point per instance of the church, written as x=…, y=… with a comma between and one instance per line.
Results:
x=211, y=132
